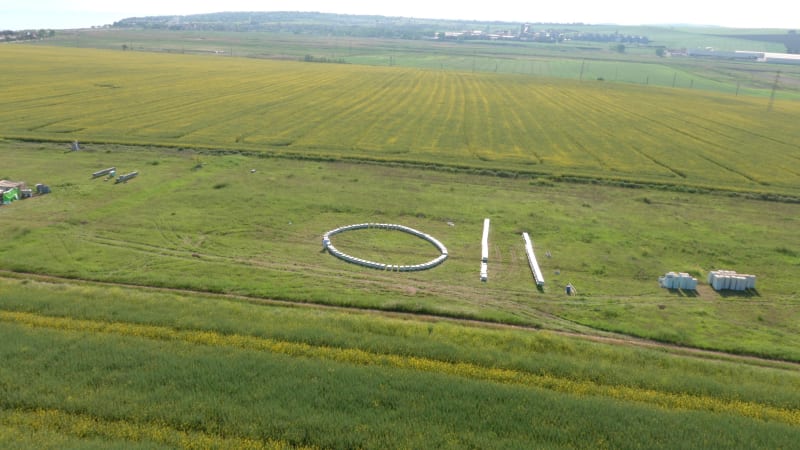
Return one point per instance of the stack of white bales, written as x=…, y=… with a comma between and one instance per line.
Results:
x=681, y=280
x=730, y=280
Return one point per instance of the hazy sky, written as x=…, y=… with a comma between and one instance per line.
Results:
x=59, y=14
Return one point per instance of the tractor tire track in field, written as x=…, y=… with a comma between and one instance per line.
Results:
x=655, y=161
x=374, y=279
x=699, y=139
x=579, y=331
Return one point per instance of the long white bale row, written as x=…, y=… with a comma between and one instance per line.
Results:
x=537, y=272
x=100, y=173
x=485, y=241
x=326, y=243
x=485, y=251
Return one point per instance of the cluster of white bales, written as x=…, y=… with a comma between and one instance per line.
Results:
x=326, y=244
x=730, y=280
x=681, y=280
x=717, y=279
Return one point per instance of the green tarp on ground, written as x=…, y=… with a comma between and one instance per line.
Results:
x=10, y=195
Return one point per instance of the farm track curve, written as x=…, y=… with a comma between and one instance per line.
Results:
x=579, y=331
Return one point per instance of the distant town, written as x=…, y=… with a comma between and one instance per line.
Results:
x=526, y=32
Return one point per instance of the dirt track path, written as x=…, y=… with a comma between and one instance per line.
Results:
x=583, y=332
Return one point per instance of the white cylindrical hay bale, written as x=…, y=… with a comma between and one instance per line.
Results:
x=751, y=281
x=717, y=283
x=741, y=283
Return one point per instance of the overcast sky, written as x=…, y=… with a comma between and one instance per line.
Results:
x=60, y=14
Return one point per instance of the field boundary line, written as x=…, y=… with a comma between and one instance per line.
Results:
x=562, y=176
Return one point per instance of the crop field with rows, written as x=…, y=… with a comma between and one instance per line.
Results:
x=510, y=123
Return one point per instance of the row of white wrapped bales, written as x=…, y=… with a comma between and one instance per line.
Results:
x=326, y=243
x=485, y=241
x=537, y=272
x=730, y=280
x=485, y=251
x=104, y=172
x=681, y=280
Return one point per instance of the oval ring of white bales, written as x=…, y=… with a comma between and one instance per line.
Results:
x=327, y=245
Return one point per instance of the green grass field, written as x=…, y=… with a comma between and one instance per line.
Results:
x=193, y=307
x=208, y=223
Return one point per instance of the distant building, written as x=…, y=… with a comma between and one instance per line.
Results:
x=782, y=58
